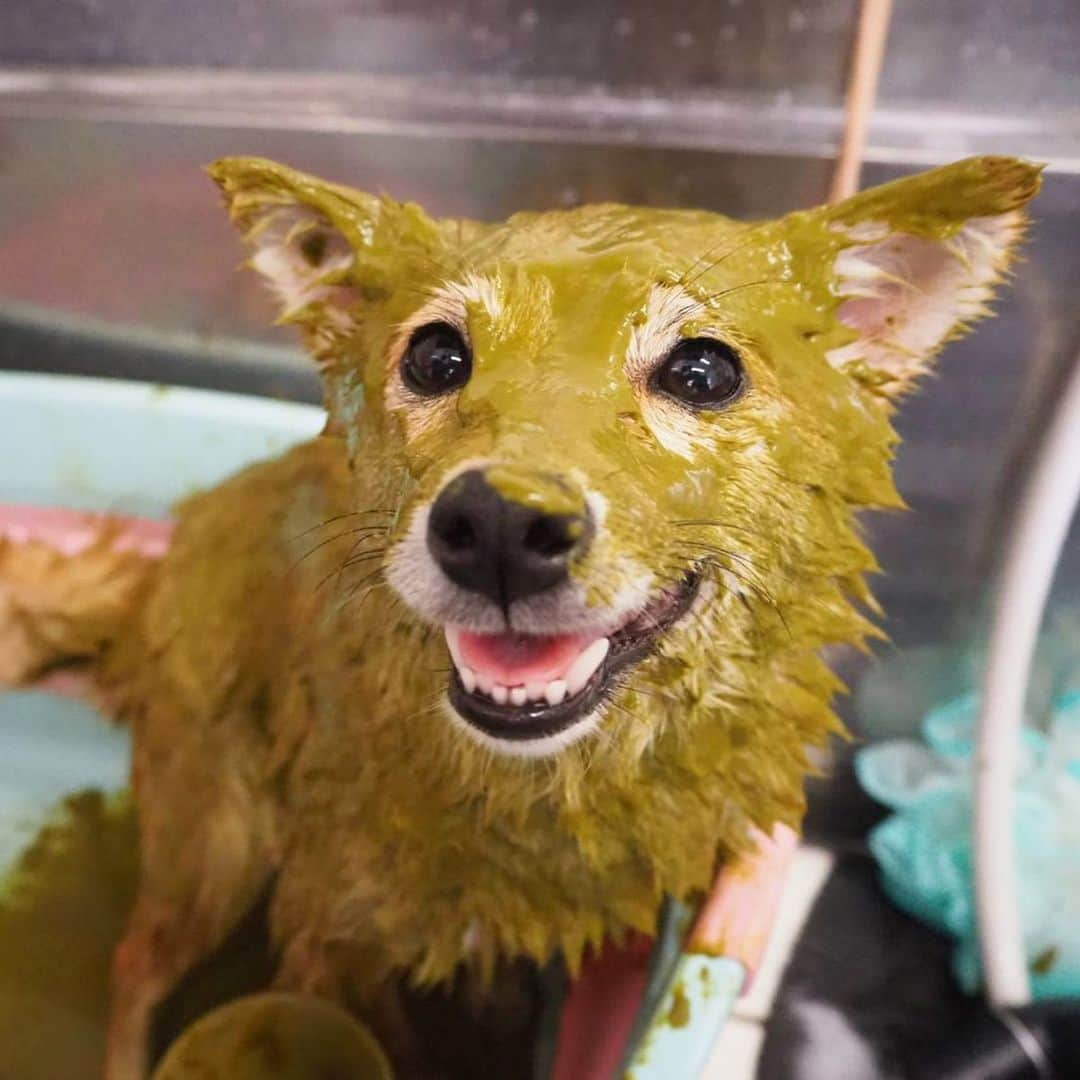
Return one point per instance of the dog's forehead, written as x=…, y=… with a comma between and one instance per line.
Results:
x=558, y=333
x=638, y=235
x=584, y=273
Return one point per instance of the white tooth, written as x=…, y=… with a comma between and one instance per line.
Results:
x=484, y=683
x=452, y=638
x=534, y=691
x=500, y=694
x=518, y=696
x=468, y=678
x=581, y=670
x=555, y=691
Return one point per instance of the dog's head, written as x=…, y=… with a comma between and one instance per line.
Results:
x=626, y=444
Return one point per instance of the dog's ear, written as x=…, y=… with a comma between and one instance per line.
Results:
x=324, y=250
x=917, y=262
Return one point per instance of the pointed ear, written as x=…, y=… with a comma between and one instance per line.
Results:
x=918, y=262
x=324, y=250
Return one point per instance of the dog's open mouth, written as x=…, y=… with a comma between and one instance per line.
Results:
x=531, y=686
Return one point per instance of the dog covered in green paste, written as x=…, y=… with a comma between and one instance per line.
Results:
x=532, y=635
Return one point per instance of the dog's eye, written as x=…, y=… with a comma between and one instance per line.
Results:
x=701, y=372
x=437, y=360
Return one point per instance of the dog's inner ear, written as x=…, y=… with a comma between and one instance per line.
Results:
x=919, y=262
x=306, y=262
x=307, y=237
x=907, y=294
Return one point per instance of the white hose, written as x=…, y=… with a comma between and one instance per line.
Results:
x=1038, y=535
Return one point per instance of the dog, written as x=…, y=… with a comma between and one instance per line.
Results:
x=531, y=636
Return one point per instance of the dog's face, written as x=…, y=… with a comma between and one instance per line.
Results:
x=631, y=440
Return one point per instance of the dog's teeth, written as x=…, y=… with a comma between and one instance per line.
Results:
x=555, y=691
x=534, y=691
x=581, y=670
x=468, y=678
x=518, y=695
x=500, y=694
x=484, y=683
x=452, y=636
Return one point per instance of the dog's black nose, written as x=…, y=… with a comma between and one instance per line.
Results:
x=503, y=548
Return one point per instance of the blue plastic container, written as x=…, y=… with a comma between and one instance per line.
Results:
x=128, y=448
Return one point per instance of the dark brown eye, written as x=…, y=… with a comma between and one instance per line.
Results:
x=702, y=373
x=437, y=361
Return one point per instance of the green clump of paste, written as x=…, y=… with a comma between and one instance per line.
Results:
x=62, y=910
x=284, y=1036
x=679, y=1014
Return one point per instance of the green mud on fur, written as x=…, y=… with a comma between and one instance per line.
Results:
x=62, y=910
x=535, y=490
x=708, y=738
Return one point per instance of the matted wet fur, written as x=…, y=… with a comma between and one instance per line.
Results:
x=285, y=673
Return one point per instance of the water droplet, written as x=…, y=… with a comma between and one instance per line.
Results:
x=529, y=19
x=797, y=20
x=624, y=27
x=684, y=39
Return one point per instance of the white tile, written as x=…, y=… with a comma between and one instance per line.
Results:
x=735, y=1054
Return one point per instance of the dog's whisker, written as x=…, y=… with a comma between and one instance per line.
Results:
x=733, y=527
x=364, y=531
x=755, y=586
x=687, y=281
x=336, y=518
x=634, y=688
x=349, y=560
x=732, y=289
x=430, y=706
x=360, y=584
x=744, y=560
x=365, y=556
x=318, y=547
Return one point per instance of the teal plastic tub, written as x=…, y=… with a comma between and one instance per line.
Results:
x=72, y=443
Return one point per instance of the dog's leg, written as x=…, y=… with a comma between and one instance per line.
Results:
x=159, y=946
x=164, y=940
x=204, y=865
x=361, y=980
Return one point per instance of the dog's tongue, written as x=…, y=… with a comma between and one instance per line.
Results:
x=516, y=659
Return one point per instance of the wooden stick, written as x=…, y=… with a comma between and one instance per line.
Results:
x=862, y=88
